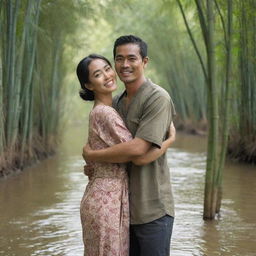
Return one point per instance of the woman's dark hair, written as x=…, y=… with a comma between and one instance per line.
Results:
x=131, y=39
x=82, y=72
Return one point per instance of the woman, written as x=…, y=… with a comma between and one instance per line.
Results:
x=104, y=207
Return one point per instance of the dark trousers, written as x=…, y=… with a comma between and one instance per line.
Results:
x=153, y=238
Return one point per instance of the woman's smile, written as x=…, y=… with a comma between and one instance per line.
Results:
x=102, y=77
x=109, y=83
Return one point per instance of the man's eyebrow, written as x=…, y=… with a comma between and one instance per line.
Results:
x=119, y=55
x=130, y=55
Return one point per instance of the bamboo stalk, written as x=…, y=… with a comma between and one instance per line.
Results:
x=31, y=113
x=213, y=107
x=1, y=90
x=12, y=15
x=54, y=92
x=20, y=63
x=227, y=100
x=192, y=39
x=2, y=134
x=28, y=86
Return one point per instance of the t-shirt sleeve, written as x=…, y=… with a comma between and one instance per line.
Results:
x=155, y=120
x=110, y=126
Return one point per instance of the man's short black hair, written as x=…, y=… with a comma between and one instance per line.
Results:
x=130, y=39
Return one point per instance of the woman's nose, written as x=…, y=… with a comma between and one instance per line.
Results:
x=106, y=75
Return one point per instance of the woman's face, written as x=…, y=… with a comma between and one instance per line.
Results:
x=102, y=77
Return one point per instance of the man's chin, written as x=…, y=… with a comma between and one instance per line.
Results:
x=126, y=79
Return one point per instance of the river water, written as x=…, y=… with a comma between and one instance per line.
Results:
x=39, y=207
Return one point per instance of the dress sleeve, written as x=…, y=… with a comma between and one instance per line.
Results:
x=110, y=126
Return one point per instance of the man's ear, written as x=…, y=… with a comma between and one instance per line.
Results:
x=145, y=61
x=89, y=86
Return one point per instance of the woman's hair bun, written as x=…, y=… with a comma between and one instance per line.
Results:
x=86, y=94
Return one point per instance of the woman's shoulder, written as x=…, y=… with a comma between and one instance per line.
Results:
x=104, y=112
x=102, y=109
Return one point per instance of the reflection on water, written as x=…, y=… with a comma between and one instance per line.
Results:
x=40, y=206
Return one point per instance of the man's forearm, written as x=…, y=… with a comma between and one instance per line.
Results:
x=120, y=153
x=154, y=153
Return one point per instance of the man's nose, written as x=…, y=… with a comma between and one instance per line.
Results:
x=125, y=63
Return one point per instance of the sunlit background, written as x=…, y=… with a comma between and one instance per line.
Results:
x=44, y=123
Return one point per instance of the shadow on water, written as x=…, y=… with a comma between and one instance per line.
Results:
x=40, y=206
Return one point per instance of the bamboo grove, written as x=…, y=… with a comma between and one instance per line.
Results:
x=219, y=95
x=32, y=63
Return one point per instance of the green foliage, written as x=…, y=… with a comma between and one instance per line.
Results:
x=33, y=67
x=243, y=136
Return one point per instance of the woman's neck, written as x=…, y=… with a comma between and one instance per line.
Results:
x=103, y=100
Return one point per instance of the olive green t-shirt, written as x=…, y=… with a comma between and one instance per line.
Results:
x=148, y=116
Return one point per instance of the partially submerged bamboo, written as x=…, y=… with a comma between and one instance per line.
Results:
x=216, y=151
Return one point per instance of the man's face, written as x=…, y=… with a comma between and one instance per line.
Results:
x=129, y=64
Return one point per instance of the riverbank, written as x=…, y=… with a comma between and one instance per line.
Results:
x=13, y=163
x=240, y=149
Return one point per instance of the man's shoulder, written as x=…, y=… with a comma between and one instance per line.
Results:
x=156, y=90
x=157, y=94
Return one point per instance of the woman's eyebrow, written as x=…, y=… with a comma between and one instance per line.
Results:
x=98, y=70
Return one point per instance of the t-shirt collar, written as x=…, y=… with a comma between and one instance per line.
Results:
x=147, y=82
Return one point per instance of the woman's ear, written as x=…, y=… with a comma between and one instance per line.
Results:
x=89, y=86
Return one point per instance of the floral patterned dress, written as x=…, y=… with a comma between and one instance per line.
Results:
x=104, y=207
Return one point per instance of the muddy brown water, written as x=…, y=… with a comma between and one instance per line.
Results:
x=39, y=208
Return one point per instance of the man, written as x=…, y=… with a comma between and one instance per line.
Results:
x=147, y=110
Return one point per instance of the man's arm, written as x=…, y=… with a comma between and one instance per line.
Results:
x=119, y=153
x=155, y=152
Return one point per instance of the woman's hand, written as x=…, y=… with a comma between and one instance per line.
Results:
x=88, y=169
x=172, y=135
